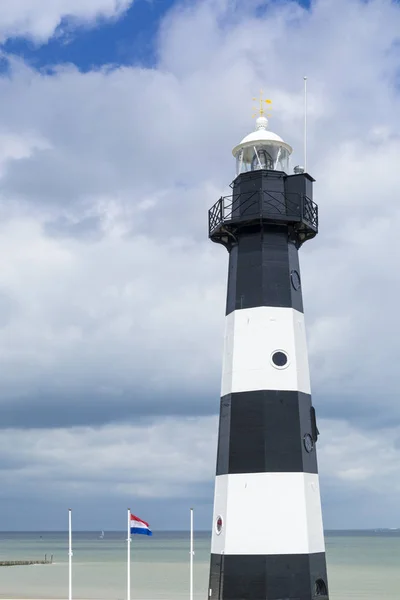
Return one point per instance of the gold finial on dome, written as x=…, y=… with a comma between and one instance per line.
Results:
x=260, y=111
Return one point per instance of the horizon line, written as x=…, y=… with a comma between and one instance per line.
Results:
x=179, y=530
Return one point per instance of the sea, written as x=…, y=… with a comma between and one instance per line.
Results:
x=362, y=565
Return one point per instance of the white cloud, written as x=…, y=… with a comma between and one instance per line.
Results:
x=159, y=460
x=108, y=282
x=360, y=474
x=367, y=459
x=121, y=313
x=134, y=158
x=39, y=20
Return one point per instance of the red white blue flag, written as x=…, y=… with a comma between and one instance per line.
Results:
x=139, y=526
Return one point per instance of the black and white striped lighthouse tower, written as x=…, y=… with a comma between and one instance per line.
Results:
x=267, y=535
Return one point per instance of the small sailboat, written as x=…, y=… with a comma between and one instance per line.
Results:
x=101, y=536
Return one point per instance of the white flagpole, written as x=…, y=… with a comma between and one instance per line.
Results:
x=69, y=554
x=129, y=556
x=191, y=554
x=305, y=124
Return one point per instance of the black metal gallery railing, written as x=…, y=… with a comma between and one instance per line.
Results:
x=277, y=207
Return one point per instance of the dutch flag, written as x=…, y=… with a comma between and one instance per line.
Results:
x=139, y=526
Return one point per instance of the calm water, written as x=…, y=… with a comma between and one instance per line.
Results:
x=361, y=566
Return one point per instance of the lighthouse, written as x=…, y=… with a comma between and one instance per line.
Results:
x=267, y=532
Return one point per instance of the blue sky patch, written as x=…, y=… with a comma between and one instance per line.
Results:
x=129, y=40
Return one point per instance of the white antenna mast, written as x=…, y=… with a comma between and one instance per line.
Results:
x=305, y=124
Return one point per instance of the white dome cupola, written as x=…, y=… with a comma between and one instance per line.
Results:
x=262, y=149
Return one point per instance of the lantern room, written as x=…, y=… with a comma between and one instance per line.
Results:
x=262, y=149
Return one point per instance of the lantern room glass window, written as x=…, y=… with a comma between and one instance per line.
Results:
x=272, y=157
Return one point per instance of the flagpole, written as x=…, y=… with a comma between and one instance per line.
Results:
x=129, y=557
x=305, y=124
x=191, y=554
x=69, y=554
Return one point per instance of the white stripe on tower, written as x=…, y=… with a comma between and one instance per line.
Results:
x=268, y=513
x=252, y=336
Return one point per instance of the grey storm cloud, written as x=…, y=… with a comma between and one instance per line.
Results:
x=67, y=408
x=100, y=470
x=111, y=296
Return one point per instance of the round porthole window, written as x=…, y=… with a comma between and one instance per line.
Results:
x=308, y=442
x=295, y=279
x=280, y=359
x=218, y=524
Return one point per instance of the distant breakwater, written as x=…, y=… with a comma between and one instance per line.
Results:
x=21, y=563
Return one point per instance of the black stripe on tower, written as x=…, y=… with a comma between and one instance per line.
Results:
x=274, y=577
x=264, y=270
x=267, y=431
x=264, y=222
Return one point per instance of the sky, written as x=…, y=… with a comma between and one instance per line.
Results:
x=117, y=120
